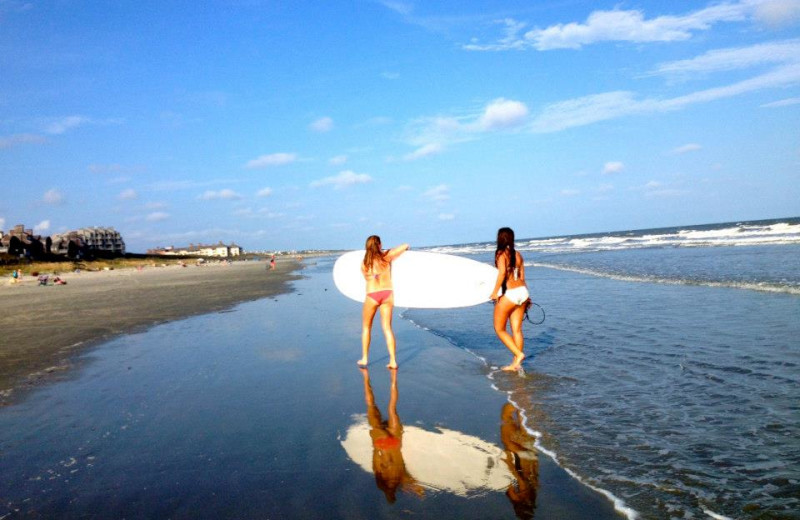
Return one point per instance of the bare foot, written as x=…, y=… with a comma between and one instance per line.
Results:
x=392, y=366
x=362, y=363
x=516, y=364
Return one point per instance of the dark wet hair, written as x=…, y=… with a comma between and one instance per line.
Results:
x=505, y=242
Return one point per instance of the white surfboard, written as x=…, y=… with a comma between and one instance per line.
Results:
x=443, y=460
x=422, y=280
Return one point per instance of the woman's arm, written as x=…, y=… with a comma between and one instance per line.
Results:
x=501, y=275
x=396, y=251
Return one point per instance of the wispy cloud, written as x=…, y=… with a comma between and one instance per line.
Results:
x=343, y=180
x=610, y=105
x=431, y=134
x=632, y=26
x=264, y=192
x=129, y=194
x=61, y=125
x=53, y=196
x=322, y=125
x=691, y=147
x=41, y=226
x=275, y=159
x=224, y=194
x=338, y=160
x=424, y=151
x=438, y=193
x=157, y=216
x=19, y=139
x=612, y=167
x=782, y=103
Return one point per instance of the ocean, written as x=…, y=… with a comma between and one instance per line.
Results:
x=667, y=371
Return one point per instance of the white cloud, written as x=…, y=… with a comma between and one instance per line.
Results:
x=633, y=26
x=782, y=103
x=390, y=75
x=53, y=196
x=59, y=126
x=734, y=58
x=602, y=107
x=344, y=179
x=129, y=194
x=433, y=134
x=41, y=226
x=338, y=160
x=691, y=147
x=446, y=216
x=438, y=193
x=776, y=13
x=224, y=194
x=157, y=216
x=18, y=139
x=570, y=192
x=264, y=192
x=613, y=167
x=322, y=125
x=156, y=205
x=502, y=114
x=424, y=151
x=275, y=159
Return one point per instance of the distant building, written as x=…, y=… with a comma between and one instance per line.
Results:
x=219, y=250
x=106, y=241
x=85, y=242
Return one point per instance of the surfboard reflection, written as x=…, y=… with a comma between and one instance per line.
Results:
x=414, y=460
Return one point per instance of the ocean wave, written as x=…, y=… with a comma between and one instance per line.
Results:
x=720, y=235
x=752, y=286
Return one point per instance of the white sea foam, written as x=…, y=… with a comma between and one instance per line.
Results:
x=752, y=286
x=746, y=234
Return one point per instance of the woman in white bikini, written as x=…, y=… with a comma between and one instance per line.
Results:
x=377, y=271
x=510, y=296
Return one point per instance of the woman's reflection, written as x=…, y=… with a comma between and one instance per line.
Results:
x=387, y=443
x=520, y=456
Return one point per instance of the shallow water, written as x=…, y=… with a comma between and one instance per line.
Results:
x=245, y=413
x=679, y=398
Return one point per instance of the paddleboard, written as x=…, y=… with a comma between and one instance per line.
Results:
x=422, y=280
x=442, y=460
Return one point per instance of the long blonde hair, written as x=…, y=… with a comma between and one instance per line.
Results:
x=373, y=252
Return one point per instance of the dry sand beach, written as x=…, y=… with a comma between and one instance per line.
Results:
x=43, y=327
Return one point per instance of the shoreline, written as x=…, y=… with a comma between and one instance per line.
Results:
x=44, y=327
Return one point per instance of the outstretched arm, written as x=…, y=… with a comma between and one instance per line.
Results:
x=397, y=251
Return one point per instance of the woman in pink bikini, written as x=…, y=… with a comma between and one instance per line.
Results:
x=377, y=271
x=510, y=296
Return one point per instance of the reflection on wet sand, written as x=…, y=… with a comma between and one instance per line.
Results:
x=414, y=460
x=387, y=443
x=522, y=462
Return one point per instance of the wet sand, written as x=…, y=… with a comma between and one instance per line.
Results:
x=261, y=412
x=42, y=328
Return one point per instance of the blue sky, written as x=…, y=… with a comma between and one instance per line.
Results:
x=306, y=125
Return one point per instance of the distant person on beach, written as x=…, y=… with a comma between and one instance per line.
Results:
x=387, y=444
x=272, y=263
x=377, y=271
x=15, y=276
x=510, y=295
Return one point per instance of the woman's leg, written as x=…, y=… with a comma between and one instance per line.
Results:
x=367, y=315
x=386, y=323
x=503, y=310
x=516, y=319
